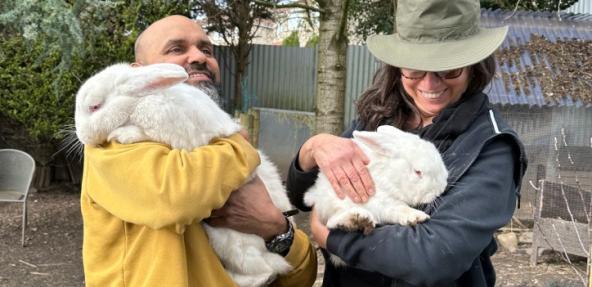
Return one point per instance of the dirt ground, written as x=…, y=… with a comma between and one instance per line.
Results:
x=52, y=256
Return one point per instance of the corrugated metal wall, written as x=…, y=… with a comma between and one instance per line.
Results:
x=277, y=77
x=284, y=77
x=361, y=67
x=582, y=6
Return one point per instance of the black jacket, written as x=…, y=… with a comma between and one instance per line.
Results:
x=453, y=248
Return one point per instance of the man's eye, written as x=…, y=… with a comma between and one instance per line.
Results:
x=175, y=50
x=207, y=52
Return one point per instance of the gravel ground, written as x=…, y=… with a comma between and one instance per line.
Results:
x=52, y=256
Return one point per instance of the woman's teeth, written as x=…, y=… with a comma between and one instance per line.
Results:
x=432, y=95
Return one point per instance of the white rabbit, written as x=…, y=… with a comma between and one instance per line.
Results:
x=130, y=104
x=407, y=171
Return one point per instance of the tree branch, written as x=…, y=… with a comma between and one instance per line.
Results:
x=291, y=5
x=513, y=12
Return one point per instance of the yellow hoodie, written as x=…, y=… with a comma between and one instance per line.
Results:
x=141, y=207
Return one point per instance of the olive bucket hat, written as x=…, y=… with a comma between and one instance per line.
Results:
x=437, y=35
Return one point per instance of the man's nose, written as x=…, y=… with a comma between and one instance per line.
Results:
x=196, y=56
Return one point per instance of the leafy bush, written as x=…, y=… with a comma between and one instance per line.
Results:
x=292, y=40
x=37, y=87
x=313, y=41
x=31, y=93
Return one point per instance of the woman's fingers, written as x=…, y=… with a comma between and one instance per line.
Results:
x=358, y=187
x=366, y=183
x=319, y=231
x=346, y=180
x=344, y=164
x=333, y=177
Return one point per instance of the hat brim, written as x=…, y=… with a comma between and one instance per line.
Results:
x=439, y=56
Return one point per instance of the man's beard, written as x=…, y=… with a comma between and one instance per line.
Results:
x=212, y=90
x=208, y=87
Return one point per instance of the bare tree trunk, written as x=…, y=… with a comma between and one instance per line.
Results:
x=331, y=70
x=238, y=79
x=242, y=50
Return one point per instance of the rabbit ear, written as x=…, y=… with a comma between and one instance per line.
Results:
x=388, y=129
x=393, y=131
x=156, y=77
x=373, y=140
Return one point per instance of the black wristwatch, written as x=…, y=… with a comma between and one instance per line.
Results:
x=281, y=243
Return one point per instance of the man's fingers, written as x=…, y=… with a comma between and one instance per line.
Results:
x=245, y=134
x=216, y=213
x=215, y=221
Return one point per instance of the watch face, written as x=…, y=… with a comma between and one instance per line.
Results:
x=282, y=245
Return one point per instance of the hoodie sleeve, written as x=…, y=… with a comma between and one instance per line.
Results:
x=150, y=184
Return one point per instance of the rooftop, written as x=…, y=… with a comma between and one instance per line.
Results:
x=546, y=59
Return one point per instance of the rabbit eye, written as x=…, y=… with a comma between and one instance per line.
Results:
x=418, y=173
x=93, y=109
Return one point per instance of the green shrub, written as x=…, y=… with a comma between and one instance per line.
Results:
x=38, y=88
x=292, y=40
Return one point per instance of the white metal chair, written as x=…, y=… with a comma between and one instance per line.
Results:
x=16, y=174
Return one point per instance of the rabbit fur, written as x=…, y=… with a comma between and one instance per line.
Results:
x=407, y=171
x=151, y=103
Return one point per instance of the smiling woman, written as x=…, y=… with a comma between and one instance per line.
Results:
x=435, y=70
x=431, y=93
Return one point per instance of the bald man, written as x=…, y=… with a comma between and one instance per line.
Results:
x=179, y=40
x=141, y=220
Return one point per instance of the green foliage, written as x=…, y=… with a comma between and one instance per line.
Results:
x=235, y=21
x=378, y=15
x=371, y=18
x=313, y=41
x=36, y=88
x=26, y=90
x=293, y=40
x=530, y=5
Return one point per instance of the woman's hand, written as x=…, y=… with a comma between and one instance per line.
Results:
x=319, y=231
x=342, y=161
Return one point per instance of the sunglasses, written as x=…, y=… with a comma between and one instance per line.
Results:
x=444, y=75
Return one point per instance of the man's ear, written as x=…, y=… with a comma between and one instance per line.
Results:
x=136, y=64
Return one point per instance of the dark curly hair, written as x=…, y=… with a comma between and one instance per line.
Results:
x=386, y=102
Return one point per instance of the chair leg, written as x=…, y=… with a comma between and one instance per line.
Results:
x=24, y=223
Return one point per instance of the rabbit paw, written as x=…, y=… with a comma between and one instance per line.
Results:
x=412, y=217
x=128, y=134
x=337, y=261
x=353, y=220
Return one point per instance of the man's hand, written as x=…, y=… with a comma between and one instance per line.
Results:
x=250, y=210
x=243, y=132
